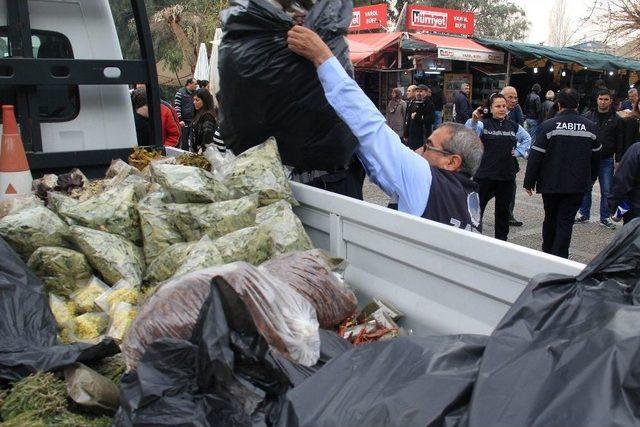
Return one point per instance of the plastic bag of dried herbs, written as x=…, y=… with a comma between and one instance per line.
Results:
x=253, y=245
x=113, y=211
x=285, y=227
x=122, y=291
x=60, y=269
x=202, y=254
x=18, y=203
x=88, y=327
x=113, y=256
x=29, y=229
x=63, y=311
x=259, y=170
x=119, y=167
x=85, y=297
x=194, y=220
x=158, y=232
x=57, y=201
x=122, y=315
x=189, y=184
x=167, y=262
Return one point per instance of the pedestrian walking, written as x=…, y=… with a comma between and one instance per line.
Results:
x=396, y=110
x=533, y=111
x=183, y=104
x=462, y=109
x=515, y=114
x=562, y=165
x=547, y=105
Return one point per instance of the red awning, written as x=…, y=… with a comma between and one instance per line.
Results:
x=459, y=48
x=450, y=42
x=362, y=46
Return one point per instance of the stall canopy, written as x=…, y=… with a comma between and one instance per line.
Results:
x=564, y=55
x=362, y=46
x=455, y=48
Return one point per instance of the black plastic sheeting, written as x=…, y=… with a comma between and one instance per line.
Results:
x=225, y=375
x=28, y=331
x=267, y=90
x=566, y=354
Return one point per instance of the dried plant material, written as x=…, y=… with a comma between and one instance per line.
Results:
x=18, y=203
x=113, y=211
x=201, y=255
x=42, y=186
x=285, y=228
x=60, y=269
x=253, y=245
x=112, y=367
x=259, y=170
x=158, y=232
x=188, y=184
x=88, y=327
x=194, y=220
x=122, y=291
x=114, y=257
x=58, y=201
x=85, y=297
x=32, y=228
x=167, y=262
x=122, y=315
x=63, y=311
x=193, y=159
x=140, y=158
x=42, y=392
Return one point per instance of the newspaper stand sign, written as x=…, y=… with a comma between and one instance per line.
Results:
x=369, y=17
x=423, y=18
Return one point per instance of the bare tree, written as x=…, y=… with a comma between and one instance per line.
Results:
x=560, y=33
x=619, y=20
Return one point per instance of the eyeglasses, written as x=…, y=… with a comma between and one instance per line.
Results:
x=428, y=146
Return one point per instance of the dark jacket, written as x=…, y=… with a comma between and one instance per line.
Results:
x=626, y=183
x=516, y=115
x=631, y=135
x=438, y=98
x=565, y=157
x=418, y=128
x=453, y=200
x=610, y=132
x=204, y=130
x=546, y=109
x=533, y=107
x=183, y=103
x=463, y=108
x=498, y=139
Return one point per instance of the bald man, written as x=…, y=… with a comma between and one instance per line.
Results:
x=411, y=98
x=516, y=115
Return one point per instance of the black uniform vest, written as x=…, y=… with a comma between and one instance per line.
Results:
x=498, y=139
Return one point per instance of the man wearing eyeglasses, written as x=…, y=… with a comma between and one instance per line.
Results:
x=434, y=181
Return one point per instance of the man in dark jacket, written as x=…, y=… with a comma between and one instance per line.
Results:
x=437, y=96
x=183, y=103
x=611, y=136
x=533, y=111
x=420, y=118
x=516, y=115
x=626, y=184
x=461, y=105
x=563, y=164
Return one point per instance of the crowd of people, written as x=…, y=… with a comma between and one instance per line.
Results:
x=190, y=123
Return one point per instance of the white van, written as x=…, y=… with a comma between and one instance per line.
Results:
x=81, y=125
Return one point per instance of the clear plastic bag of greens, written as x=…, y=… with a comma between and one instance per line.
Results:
x=259, y=170
x=213, y=219
x=121, y=316
x=18, y=203
x=285, y=227
x=88, y=327
x=113, y=211
x=63, y=311
x=202, y=254
x=168, y=262
x=29, y=229
x=189, y=184
x=158, y=232
x=253, y=245
x=113, y=256
x=122, y=291
x=60, y=269
x=85, y=297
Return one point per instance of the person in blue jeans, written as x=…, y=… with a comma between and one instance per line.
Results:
x=533, y=111
x=610, y=135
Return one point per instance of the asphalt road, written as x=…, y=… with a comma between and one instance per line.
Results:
x=588, y=239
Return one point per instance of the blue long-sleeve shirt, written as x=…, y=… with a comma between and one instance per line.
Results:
x=524, y=139
x=388, y=162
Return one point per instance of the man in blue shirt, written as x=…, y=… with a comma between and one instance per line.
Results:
x=433, y=181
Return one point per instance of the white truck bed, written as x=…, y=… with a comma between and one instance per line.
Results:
x=445, y=280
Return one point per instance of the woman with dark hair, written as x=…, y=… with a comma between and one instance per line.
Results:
x=502, y=139
x=204, y=121
x=203, y=84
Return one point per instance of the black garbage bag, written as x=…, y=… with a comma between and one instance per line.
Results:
x=403, y=382
x=224, y=375
x=267, y=90
x=568, y=351
x=28, y=331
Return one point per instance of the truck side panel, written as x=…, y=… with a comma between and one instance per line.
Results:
x=446, y=280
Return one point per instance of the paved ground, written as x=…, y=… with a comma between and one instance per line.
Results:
x=588, y=239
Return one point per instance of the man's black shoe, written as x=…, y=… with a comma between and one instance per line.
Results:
x=515, y=223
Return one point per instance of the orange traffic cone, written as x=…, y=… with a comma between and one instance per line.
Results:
x=15, y=176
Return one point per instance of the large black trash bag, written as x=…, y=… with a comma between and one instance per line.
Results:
x=267, y=90
x=568, y=352
x=225, y=375
x=28, y=340
x=403, y=382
